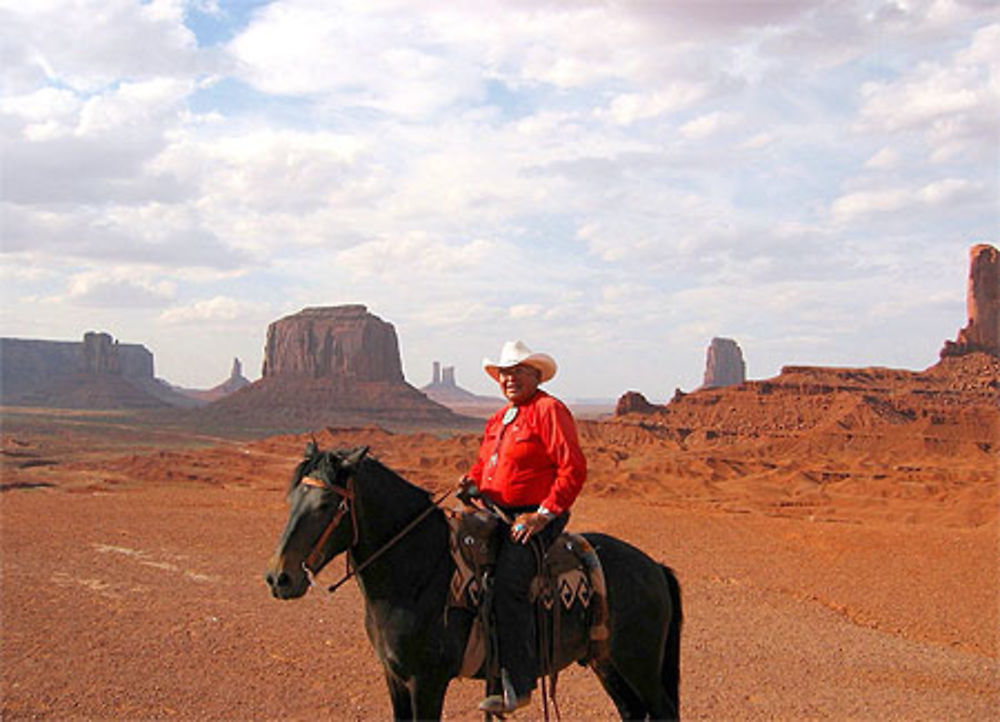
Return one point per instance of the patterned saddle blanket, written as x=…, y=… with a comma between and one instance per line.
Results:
x=571, y=575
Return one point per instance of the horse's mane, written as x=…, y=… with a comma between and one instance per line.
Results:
x=372, y=468
x=327, y=464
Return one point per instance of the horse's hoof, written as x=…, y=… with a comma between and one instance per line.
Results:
x=494, y=704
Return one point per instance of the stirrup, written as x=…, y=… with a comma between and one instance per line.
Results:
x=506, y=702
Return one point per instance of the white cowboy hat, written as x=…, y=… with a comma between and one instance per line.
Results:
x=514, y=353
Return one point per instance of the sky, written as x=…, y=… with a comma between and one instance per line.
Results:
x=615, y=183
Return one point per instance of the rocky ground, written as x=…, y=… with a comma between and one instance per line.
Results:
x=819, y=581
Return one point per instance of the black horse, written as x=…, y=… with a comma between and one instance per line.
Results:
x=398, y=541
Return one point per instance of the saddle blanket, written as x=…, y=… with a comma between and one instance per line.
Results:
x=571, y=575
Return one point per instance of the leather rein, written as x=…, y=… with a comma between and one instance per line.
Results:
x=346, y=504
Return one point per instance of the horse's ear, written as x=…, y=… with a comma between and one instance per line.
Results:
x=354, y=458
x=312, y=448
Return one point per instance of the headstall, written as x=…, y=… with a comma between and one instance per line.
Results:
x=346, y=504
x=347, y=497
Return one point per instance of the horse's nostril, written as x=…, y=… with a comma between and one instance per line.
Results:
x=282, y=580
x=269, y=578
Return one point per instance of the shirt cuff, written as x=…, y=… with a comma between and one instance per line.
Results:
x=546, y=513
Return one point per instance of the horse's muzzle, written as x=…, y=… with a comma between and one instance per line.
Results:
x=286, y=585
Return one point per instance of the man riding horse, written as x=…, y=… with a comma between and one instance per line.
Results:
x=530, y=466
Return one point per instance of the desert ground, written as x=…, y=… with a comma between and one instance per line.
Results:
x=133, y=560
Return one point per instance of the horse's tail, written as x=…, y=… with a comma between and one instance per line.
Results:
x=670, y=672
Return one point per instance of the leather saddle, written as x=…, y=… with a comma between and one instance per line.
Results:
x=570, y=575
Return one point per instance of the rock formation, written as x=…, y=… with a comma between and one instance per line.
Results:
x=235, y=382
x=102, y=354
x=982, y=333
x=330, y=366
x=724, y=365
x=338, y=342
x=97, y=373
x=444, y=390
x=632, y=402
x=236, y=378
x=99, y=354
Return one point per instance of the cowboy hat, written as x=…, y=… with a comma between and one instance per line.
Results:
x=514, y=353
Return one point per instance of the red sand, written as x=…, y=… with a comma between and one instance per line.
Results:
x=823, y=576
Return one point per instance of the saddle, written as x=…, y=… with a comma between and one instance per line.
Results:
x=570, y=574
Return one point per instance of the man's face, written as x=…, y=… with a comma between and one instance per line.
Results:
x=519, y=383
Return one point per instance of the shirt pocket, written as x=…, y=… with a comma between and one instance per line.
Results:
x=525, y=445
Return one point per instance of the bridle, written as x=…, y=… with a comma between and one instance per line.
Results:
x=347, y=504
x=346, y=498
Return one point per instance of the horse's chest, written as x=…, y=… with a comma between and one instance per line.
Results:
x=392, y=632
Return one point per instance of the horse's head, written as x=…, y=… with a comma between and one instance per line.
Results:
x=321, y=521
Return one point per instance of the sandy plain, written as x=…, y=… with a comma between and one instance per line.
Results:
x=132, y=562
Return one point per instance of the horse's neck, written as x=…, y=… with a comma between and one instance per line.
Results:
x=386, y=504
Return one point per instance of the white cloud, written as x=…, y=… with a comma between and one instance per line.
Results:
x=955, y=102
x=132, y=105
x=863, y=203
x=555, y=170
x=88, y=45
x=950, y=191
x=709, y=124
x=219, y=308
x=760, y=140
x=629, y=108
x=383, y=59
x=523, y=311
x=118, y=288
x=45, y=113
x=885, y=158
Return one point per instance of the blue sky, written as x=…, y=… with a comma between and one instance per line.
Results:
x=613, y=182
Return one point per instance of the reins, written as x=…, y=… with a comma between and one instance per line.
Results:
x=348, y=497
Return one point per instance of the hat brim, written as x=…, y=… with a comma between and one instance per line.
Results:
x=545, y=364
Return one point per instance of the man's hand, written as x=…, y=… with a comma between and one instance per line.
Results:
x=466, y=490
x=526, y=526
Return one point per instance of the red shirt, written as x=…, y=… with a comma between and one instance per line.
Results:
x=538, y=458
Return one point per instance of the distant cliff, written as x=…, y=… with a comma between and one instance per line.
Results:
x=445, y=390
x=330, y=366
x=982, y=301
x=96, y=373
x=235, y=382
x=724, y=364
x=335, y=342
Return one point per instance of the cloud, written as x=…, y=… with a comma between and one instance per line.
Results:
x=418, y=60
x=950, y=191
x=124, y=39
x=476, y=171
x=863, y=203
x=118, y=288
x=523, y=311
x=414, y=255
x=629, y=108
x=385, y=59
x=64, y=148
x=216, y=309
x=885, y=158
x=709, y=124
x=954, y=103
x=165, y=236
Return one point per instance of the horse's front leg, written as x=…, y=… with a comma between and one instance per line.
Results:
x=428, y=695
x=416, y=699
x=402, y=700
